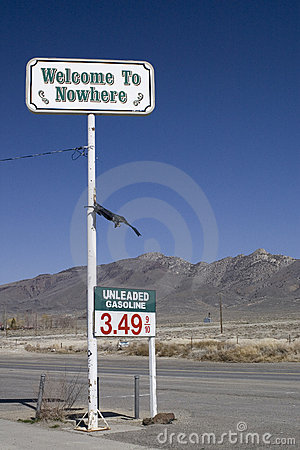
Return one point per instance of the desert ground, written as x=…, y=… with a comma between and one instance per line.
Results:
x=277, y=340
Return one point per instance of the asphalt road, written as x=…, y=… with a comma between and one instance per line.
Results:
x=213, y=398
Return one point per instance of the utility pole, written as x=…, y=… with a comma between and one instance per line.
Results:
x=5, y=320
x=221, y=314
x=91, y=279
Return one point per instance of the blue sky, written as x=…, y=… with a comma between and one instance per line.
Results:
x=226, y=119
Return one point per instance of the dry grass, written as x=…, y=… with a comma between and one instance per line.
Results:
x=264, y=350
x=254, y=353
x=56, y=348
x=272, y=341
x=63, y=349
x=213, y=350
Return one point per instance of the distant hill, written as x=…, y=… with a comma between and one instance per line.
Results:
x=259, y=283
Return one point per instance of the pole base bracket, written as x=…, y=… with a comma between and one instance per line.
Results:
x=83, y=424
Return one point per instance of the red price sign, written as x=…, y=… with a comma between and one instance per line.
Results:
x=120, y=323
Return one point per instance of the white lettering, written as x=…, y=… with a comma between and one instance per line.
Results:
x=162, y=437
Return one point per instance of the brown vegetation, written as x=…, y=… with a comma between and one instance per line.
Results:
x=213, y=350
x=56, y=348
x=60, y=394
x=254, y=353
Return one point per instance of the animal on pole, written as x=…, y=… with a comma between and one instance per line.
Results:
x=115, y=218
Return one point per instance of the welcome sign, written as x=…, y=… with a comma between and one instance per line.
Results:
x=75, y=86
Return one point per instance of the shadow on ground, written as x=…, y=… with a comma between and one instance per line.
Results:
x=22, y=401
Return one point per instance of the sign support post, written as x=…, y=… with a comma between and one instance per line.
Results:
x=94, y=86
x=152, y=373
x=91, y=279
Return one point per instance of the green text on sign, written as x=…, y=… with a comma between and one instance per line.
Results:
x=121, y=299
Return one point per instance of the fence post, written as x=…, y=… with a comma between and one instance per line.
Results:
x=40, y=397
x=136, y=396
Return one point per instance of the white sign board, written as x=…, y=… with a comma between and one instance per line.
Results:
x=124, y=312
x=82, y=86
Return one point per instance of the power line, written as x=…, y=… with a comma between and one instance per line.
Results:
x=77, y=152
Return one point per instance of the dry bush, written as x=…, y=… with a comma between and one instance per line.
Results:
x=107, y=347
x=172, y=349
x=60, y=394
x=208, y=343
x=30, y=348
x=138, y=349
x=169, y=350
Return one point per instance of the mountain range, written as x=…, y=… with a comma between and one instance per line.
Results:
x=259, y=284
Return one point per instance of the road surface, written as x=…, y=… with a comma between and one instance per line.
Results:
x=210, y=400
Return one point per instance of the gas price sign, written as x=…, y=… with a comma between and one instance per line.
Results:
x=124, y=312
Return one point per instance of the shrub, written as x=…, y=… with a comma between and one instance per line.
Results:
x=60, y=394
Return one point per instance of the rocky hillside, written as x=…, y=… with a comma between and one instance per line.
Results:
x=260, y=282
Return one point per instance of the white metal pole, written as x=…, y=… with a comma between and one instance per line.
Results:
x=152, y=372
x=91, y=279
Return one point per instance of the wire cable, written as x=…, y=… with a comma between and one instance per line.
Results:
x=77, y=152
